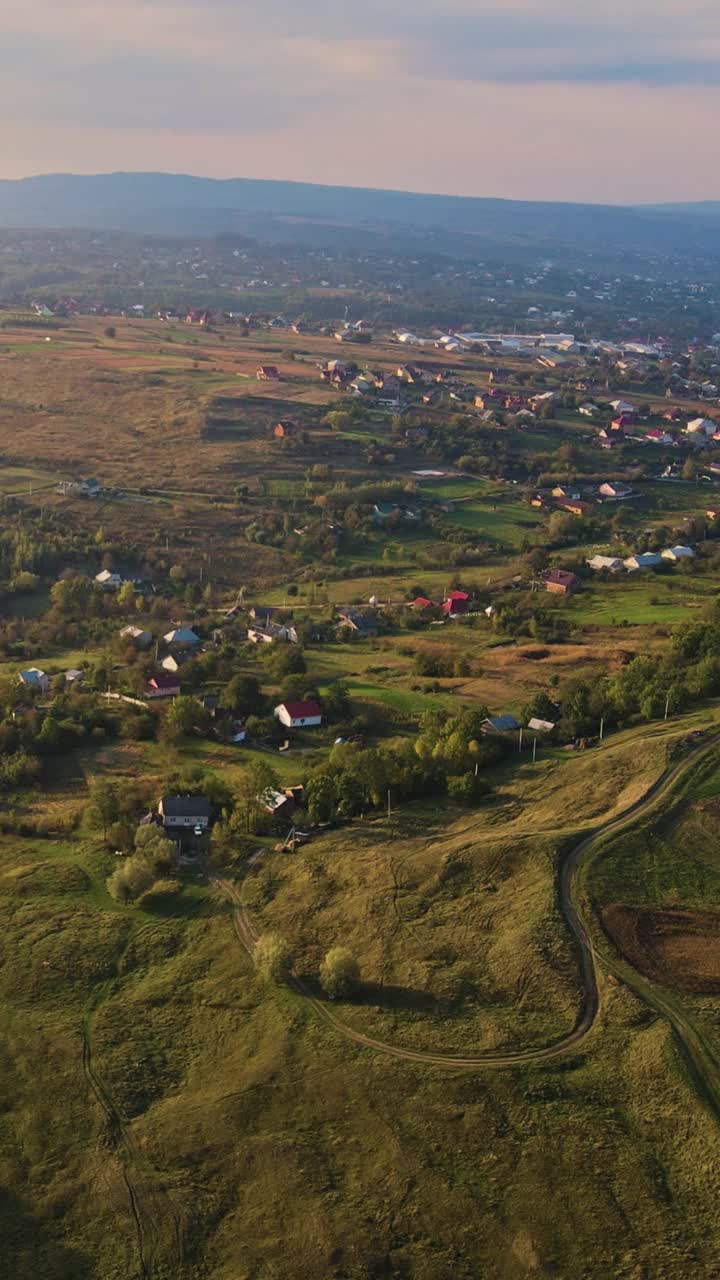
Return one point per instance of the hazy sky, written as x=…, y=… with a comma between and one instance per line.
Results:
x=615, y=100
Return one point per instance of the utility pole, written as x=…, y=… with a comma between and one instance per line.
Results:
x=602, y=727
x=667, y=706
x=534, y=749
x=389, y=807
x=521, y=741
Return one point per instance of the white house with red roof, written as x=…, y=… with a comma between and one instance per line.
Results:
x=299, y=715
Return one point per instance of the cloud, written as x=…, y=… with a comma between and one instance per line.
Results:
x=391, y=92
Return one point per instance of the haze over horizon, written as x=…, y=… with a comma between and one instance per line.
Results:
x=523, y=100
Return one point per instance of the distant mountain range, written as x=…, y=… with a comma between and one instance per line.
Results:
x=291, y=212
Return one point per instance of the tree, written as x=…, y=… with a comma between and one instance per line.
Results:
x=320, y=798
x=103, y=805
x=689, y=471
x=126, y=595
x=110, y=331
x=244, y=696
x=246, y=807
x=186, y=716
x=287, y=660
x=133, y=878
x=72, y=595
x=152, y=844
x=272, y=957
x=339, y=972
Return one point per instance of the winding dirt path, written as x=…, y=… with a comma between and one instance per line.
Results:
x=701, y=1059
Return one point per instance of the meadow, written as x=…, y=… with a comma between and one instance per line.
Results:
x=168, y=1113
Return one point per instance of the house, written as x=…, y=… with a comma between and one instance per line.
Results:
x=622, y=421
x=561, y=582
x=500, y=724
x=268, y=373
x=588, y=410
x=656, y=436
x=612, y=563
x=456, y=603
x=273, y=632
x=622, y=406
x=575, y=506
x=615, y=490
x=645, y=560
x=135, y=635
x=299, y=715
x=609, y=437
x=563, y=491
x=182, y=638
x=163, y=685
x=362, y=624
x=701, y=427
x=539, y=401
x=422, y=602
x=674, y=554
x=109, y=581
x=74, y=676
x=238, y=733
x=286, y=428
x=184, y=813
x=277, y=803
x=713, y=513
x=540, y=726
x=174, y=661
x=35, y=679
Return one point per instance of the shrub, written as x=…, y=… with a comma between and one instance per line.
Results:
x=273, y=959
x=339, y=972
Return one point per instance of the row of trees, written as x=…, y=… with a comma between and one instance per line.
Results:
x=339, y=972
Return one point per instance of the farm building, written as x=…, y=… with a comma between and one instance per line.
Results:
x=561, y=582
x=299, y=715
x=162, y=685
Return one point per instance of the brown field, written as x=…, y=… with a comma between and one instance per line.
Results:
x=675, y=947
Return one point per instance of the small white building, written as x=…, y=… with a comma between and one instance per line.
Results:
x=615, y=490
x=108, y=580
x=612, y=563
x=299, y=715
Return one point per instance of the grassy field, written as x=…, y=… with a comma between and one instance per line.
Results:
x=168, y=1115
x=249, y=1133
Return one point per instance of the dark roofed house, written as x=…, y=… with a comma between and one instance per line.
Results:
x=268, y=373
x=500, y=724
x=181, y=813
x=361, y=624
x=561, y=582
x=162, y=685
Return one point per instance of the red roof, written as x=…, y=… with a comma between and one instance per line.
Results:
x=457, y=595
x=422, y=602
x=302, y=710
x=563, y=578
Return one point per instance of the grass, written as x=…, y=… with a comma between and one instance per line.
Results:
x=207, y=1076
x=139, y=1048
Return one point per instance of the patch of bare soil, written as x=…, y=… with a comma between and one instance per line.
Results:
x=673, y=946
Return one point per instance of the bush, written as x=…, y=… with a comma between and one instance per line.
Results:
x=131, y=880
x=273, y=959
x=339, y=972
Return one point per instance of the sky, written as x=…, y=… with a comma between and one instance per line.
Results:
x=614, y=101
